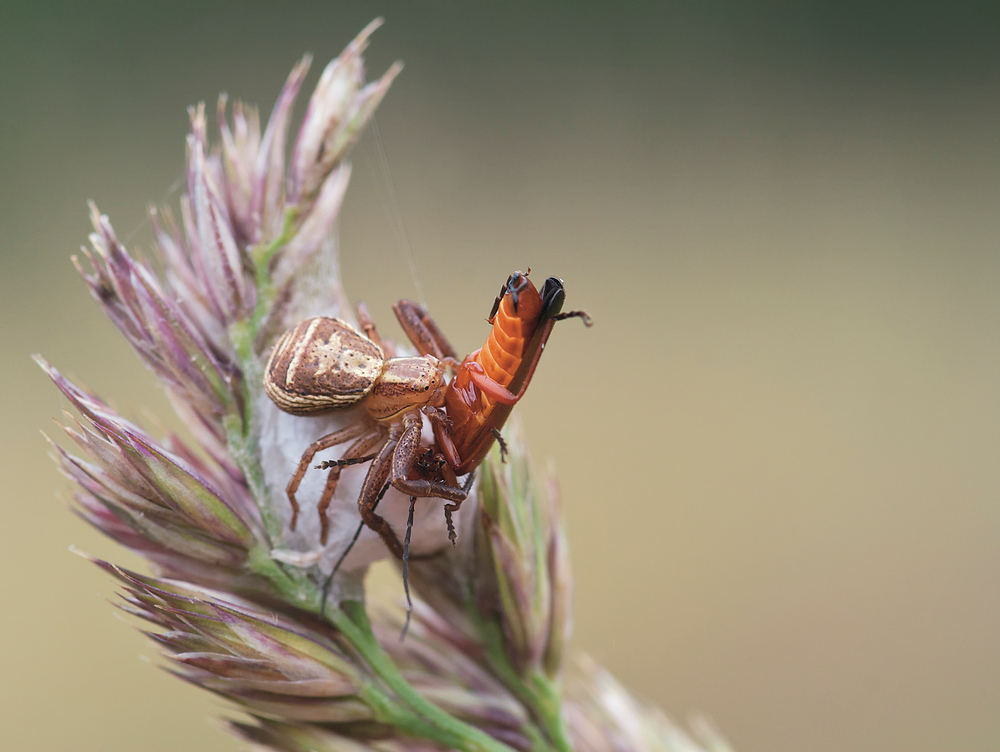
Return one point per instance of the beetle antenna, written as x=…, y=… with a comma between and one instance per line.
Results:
x=327, y=464
x=333, y=572
x=574, y=315
x=406, y=568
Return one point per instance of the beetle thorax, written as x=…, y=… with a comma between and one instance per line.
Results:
x=407, y=383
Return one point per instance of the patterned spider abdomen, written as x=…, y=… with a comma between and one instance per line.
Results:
x=322, y=364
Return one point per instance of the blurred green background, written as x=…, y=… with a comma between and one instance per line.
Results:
x=779, y=444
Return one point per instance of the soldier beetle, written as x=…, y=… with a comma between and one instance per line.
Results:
x=491, y=380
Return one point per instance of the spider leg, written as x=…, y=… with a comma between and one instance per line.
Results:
x=403, y=460
x=324, y=442
x=356, y=452
x=371, y=493
x=395, y=461
x=423, y=332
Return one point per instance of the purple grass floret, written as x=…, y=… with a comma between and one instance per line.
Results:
x=235, y=596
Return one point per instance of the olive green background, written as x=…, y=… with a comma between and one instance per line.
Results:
x=778, y=445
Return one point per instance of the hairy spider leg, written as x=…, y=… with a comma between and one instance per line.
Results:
x=423, y=332
x=325, y=442
x=379, y=476
x=358, y=452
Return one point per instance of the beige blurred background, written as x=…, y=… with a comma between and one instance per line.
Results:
x=779, y=444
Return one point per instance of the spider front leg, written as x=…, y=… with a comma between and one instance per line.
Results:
x=404, y=460
x=424, y=333
x=447, y=459
x=325, y=442
x=395, y=462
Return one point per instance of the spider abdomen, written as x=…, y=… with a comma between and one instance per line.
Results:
x=322, y=364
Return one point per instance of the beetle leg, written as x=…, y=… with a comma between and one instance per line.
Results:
x=406, y=567
x=488, y=386
x=448, y=472
x=450, y=508
x=501, y=442
x=356, y=452
x=423, y=332
x=405, y=457
x=428, y=463
x=371, y=494
x=431, y=462
x=324, y=442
